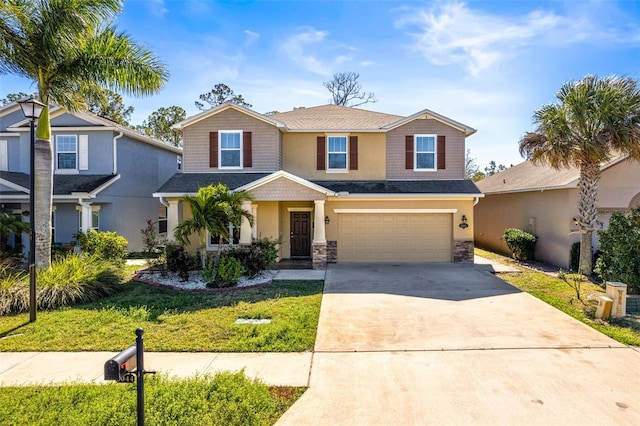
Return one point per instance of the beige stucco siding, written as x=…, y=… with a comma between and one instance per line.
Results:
x=455, y=150
x=266, y=146
x=619, y=184
x=300, y=155
x=550, y=214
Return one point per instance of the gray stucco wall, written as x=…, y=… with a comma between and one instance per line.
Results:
x=10, y=119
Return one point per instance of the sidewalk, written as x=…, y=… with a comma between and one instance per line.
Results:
x=48, y=368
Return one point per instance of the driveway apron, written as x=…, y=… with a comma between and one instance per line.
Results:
x=408, y=344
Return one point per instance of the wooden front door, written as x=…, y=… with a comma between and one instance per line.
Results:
x=300, y=234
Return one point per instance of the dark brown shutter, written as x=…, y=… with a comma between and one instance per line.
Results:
x=246, y=149
x=442, y=152
x=408, y=152
x=213, y=149
x=353, y=152
x=322, y=146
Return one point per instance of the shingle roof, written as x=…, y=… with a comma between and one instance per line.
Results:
x=527, y=177
x=189, y=183
x=401, y=186
x=62, y=184
x=334, y=117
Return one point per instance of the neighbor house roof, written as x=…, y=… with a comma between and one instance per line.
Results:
x=189, y=183
x=63, y=185
x=334, y=117
x=527, y=176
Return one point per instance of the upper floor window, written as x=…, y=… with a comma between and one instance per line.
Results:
x=179, y=162
x=337, y=153
x=425, y=152
x=230, y=149
x=66, y=152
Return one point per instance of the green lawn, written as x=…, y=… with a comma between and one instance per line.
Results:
x=227, y=399
x=176, y=321
x=560, y=295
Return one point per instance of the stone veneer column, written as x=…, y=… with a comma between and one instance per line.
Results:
x=245, y=226
x=463, y=251
x=173, y=217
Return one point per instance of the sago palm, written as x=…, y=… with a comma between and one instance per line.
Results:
x=593, y=120
x=70, y=50
x=212, y=209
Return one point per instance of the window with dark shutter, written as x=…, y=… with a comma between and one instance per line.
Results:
x=353, y=152
x=213, y=149
x=246, y=149
x=321, y=147
x=408, y=152
x=442, y=152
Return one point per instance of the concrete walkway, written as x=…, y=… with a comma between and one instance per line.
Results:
x=454, y=344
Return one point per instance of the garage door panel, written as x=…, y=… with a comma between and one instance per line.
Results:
x=393, y=237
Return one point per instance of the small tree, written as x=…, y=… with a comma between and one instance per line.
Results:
x=212, y=209
x=109, y=105
x=220, y=94
x=620, y=250
x=13, y=97
x=346, y=90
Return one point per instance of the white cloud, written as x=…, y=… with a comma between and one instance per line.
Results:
x=452, y=33
x=158, y=8
x=296, y=45
x=252, y=37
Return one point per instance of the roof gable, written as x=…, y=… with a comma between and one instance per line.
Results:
x=428, y=114
x=223, y=107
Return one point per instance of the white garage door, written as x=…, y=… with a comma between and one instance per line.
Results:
x=394, y=237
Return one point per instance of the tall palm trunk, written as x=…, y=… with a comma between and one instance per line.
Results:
x=587, y=213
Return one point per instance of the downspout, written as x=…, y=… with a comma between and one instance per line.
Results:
x=164, y=202
x=115, y=153
x=475, y=201
x=85, y=214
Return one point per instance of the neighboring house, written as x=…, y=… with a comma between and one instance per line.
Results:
x=544, y=202
x=104, y=174
x=334, y=183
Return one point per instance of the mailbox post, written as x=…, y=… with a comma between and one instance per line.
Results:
x=127, y=366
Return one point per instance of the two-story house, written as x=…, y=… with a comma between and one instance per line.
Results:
x=336, y=184
x=104, y=174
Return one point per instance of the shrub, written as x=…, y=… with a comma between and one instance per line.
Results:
x=209, y=272
x=153, y=245
x=522, y=244
x=178, y=260
x=70, y=280
x=620, y=250
x=105, y=245
x=229, y=272
x=257, y=257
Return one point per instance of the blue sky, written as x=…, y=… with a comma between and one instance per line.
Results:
x=487, y=64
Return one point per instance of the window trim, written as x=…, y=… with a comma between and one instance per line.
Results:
x=415, y=153
x=240, y=148
x=231, y=228
x=58, y=152
x=328, y=168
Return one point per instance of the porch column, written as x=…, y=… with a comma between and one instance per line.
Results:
x=254, y=228
x=245, y=226
x=173, y=217
x=318, y=227
x=85, y=216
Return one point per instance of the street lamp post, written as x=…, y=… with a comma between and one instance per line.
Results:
x=32, y=110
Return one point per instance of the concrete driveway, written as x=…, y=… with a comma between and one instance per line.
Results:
x=453, y=344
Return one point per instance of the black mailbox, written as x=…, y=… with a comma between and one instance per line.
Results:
x=120, y=368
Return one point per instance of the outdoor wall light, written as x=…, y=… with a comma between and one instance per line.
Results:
x=327, y=220
x=464, y=224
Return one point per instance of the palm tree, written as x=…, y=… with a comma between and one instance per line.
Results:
x=71, y=51
x=212, y=209
x=594, y=120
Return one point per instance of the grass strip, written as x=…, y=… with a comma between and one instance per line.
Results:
x=224, y=399
x=176, y=321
